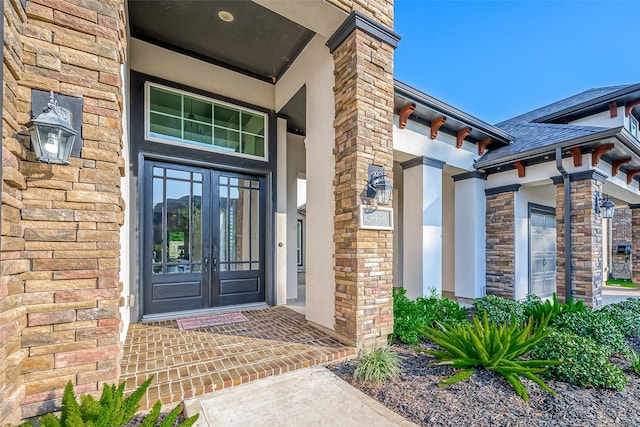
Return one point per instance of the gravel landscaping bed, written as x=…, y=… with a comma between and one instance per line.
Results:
x=486, y=399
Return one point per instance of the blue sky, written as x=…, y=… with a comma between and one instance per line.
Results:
x=498, y=59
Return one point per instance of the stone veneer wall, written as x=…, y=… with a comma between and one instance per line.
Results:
x=586, y=242
x=380, y=10
x=621, y=227
x=13, y=315
x=67, y=234
x=500, y=244
x=363, y=131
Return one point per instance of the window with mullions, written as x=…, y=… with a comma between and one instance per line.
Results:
x=176, y=116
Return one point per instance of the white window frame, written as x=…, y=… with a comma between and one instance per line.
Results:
x=195, y=144
x=634, y=121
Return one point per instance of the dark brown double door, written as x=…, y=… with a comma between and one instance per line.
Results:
x=204, y=238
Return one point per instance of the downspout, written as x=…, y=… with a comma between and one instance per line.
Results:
x=567, y=224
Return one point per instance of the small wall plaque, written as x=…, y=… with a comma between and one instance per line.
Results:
x=376, y=218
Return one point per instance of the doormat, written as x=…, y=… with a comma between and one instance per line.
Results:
x=211, y=320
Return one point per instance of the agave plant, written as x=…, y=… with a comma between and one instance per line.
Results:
x=497, y=347
x=113, y=409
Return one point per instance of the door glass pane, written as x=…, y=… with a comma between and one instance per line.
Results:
x=177, y=221
x=158, y=214
x=239, y=225
x=196, y=256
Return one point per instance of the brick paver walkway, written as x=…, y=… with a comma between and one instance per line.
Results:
x=193, y=362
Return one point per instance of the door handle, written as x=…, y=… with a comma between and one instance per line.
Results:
x=206, y=262
x=215, y=264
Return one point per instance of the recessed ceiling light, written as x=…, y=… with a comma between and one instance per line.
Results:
x=225, y=15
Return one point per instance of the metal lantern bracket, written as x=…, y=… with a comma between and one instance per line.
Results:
x=40, y=102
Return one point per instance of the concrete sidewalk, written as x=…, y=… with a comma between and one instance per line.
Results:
x=307, y=397
x=613, y=294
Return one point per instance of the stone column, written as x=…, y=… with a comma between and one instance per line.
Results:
x=501, y=234
x=586, y=239
x=363, y=56
x=422, y=225
x=71, y=214
x=635, y=243
x=13, y=262
x=470, y=236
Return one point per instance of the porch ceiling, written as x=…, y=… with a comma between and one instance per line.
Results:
x=258, y=42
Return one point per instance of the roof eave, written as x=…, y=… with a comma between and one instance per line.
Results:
x=550, y=149
x=588, y=104
x=431, y=102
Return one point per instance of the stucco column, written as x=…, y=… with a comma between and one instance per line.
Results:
x=500, y=241
x=635, y=243
x=470, y=233
x=422, y=226
x=363, y=57
x=586, y=239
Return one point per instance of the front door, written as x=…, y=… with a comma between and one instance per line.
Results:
x=203, y=238
x=542, y=251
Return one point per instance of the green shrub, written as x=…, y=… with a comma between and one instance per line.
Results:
x=499, y=310
x=596, y=325
x=539, y=309
x=494, y=346
x=442, y=311
x=112, y=410
x=379, y=365
x=626, y=315
x=583, y=362
x=409, y=315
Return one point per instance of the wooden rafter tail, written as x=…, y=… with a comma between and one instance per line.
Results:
x=576, y=154
x=461, y=135
x=521, y=167
x=436, y=124
x=616, y=164
x=404, y=114
x=613, y=109
x=630, y=174
x=482, y=145
x=629, y=107
x=598, y=152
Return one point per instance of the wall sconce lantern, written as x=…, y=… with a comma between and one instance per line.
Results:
x=51, y=133
x=606, y=205
x=378, y=187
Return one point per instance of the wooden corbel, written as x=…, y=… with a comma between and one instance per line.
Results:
x=613, y=109
x=520, y=165
x=615, y=165
x=630, y=174
x=482, y=145
x=629, y=107
x=461, y=135
x=404, y=114
x=598, y=152
x=436, y=124
x=576, y=154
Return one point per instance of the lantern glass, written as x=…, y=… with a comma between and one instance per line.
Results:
x=51, y=143
x=607, y=209
x=383, y=191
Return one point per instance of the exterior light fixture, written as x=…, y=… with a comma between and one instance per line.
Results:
x=378, y=186
x=51, y=133
x=605, y=207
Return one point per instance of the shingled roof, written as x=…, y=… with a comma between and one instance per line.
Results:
x=532, y=134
